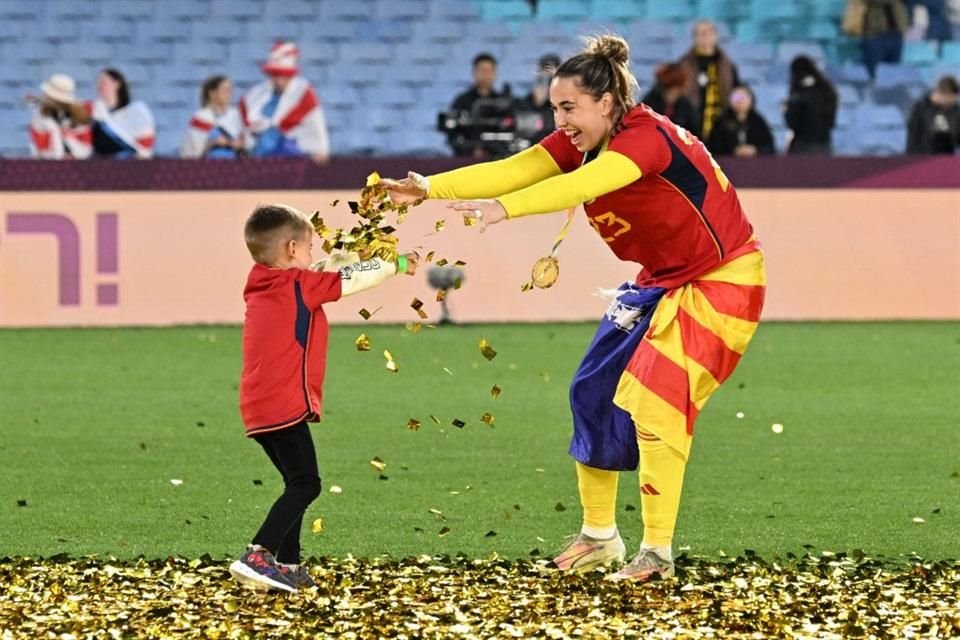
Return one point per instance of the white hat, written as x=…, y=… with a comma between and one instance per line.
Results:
x=282, y=60
x=59, y=87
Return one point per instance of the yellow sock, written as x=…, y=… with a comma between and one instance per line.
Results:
x=661, y=481
x=598, y=497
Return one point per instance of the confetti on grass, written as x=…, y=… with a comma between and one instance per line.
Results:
x=317, y=526
x=488, y=419
x=486, y=350
x=459, y=424
x=391, y=365
x=362, y=342
x=378, y=464
x=417, y=305
x=413, y=425
x=495, y=392
x=812, y=596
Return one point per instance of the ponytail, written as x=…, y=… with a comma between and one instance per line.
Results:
x=604, y=67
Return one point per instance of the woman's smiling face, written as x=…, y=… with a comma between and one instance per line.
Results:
x=585, y=119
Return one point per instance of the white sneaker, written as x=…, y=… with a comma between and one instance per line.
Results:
x=584, y=553
x=644, y=566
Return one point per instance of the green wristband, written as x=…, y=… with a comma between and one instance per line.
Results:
x=401, y=264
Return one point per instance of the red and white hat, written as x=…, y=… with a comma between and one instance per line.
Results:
x=283, y=60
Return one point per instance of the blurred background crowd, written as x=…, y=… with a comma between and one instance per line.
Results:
x=230, y=78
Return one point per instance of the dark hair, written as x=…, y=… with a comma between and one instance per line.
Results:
x=210, y=85
x=604, y=67
x=746, y=87
x=672, y=74
x=548, y=61
x=261, y=232
x=804, y=67
x=948, y=84
x=484, y=57
x=123, y=91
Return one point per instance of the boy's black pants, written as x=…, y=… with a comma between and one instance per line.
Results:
x=292, y=453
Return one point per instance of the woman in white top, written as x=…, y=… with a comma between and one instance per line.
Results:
x=215, y=130
x=121, y=128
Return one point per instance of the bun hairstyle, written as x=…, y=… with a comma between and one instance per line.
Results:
x=604, y=67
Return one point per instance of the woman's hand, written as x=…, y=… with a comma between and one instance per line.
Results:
x=407, y=190
x=486, y=212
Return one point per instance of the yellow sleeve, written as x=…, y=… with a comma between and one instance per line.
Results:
x=609, y=172
x=492, y=179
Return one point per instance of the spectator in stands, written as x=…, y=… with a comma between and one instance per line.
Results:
x=811, y=109
x=929, y=20
x=667, y=97
x=711, y=75
x=740, y=130
x=466, y=141
x=215, y=130
x=881, y=30
x=538, y=100
x=55, y=129
x=934, y=124
x=282, y=115
x=121, y=128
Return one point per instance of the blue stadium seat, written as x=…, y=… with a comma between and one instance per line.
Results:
x=893, y=75
x=618, y=10
x=753, y=72
x=401, y=10
x=787, y=51
x=920, y=53
x=296, y=10
x=505, y=9
x=562, y=10
x=132, y=11
x=67, y=31
x=98, y=53
x=950, y=53
x=721, y=9
x=853, y=73
x=848, y=94
x=828, y=9
x=825, y=31
x=389, y=31
x=765, y=10
x=57, y=10
x=361, y=75
x=315, y=52
x=750, y=52
x=882, y=143
x=880, y=116
x=414, y=75
x=846, y=115
x=182, y=10
x=344, y=11
x=651, y=34
x=236, y=9
x=540, y=37
x=217, y=30
x=439, y=31
x=422, y=53
x=456, y=11
x=165, y=30
x=770, y=99
x=329, y=31
x=676, y=10
x=199, y=52
x=937, y=71
x=368, y=52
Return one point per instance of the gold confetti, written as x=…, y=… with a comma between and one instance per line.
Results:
x=487, y=351
x=443, y=531
x=391, y=365
x=740, y=415
x=176, y=482
x=495, y=392
x=435, y=418
x=335, y=202
x=488, y=419
x=777, y=428
x=448, y=371
x=540, y=470
x=417, y=305
x=362, y=342
x=545, y=375
x=527, y=286
x=373, y=179
x=438, y=514
x=336, y=489
x=469, y=221
x=378, y=464
x=429, y=257
x=459, y=263
x=413, y=424
x=439, y=226
x=442, y=262
x=919, y=520
x=317, y=525
x=414, y=327
x=441, y=295
x=459, y=424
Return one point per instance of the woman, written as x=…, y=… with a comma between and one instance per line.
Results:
x=121, y=128
x=811, y=110
x=215, y=130
x=740, y=130
x=669, y=339
x=56, y=132
x=667, y=97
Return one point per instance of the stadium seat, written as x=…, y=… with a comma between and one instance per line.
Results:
x=893, y=75
x=765, y=10
x=950, y=53
x=367, y=52
x=622, y=10
x=131, y=11
x=563, y=10
x=750, y=52
x=880, y=116
x=882, y=143
x=721, y=9
x=753, y=72
x=846, y=115
x=344, y=11
x=673, y=10
x=236, y=9
x=828, y=9
x=98, y=53
x=920, y=53
x=770, y=99
x=459, y=11
x=503, y=10
x=437, y=31
x=848, y=94
x=296, y=10
x=58, y=10
x=164, y=30
x=648, y=33
x=823, y=31
x=787, y=51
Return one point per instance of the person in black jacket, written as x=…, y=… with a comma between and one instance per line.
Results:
x=934, y=124
x=811, y=110
x=467, y=143
x=667, y=97
x=740, y=130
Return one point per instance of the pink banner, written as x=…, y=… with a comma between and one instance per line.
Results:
x=158, y=258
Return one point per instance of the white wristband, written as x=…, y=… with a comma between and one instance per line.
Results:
x=421, y=182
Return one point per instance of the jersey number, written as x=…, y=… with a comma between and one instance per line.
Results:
x=684, y=135
x=609, y=219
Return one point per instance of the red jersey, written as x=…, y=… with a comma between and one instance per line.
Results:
x=284, y=346
x=681, y=219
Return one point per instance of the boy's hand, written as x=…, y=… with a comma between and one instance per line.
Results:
x=412, y=259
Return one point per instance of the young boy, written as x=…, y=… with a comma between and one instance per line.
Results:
x=284, y=358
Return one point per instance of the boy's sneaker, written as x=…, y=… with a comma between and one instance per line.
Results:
x=298, y=577
x=258, y=569
x=644, y=566
x=584, y=553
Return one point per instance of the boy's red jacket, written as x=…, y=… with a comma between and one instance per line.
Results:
x=284, y=346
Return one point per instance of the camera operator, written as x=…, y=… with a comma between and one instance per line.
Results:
x=535, y=107
x=466, y=141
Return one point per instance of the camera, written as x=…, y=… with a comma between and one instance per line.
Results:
x=501, y=126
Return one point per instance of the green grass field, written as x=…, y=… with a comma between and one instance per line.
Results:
x=94, y=424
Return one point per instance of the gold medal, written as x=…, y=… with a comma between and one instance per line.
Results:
x=546, y=270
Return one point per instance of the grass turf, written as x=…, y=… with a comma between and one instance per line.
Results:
x=95, y=423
